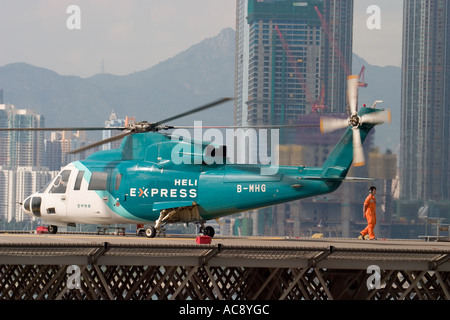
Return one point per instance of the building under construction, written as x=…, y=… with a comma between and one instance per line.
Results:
x=292, y=61
x=292, y=58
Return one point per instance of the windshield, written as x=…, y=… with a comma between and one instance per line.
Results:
x=60, y=183
x=42, y=190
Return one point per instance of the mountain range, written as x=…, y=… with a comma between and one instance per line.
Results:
x=196, y=76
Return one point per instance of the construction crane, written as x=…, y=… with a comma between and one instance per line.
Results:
x=338, y=52
x=362, y=82
x=315, y=105
x=319, y=104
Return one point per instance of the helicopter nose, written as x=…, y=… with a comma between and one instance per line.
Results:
x=32, y=206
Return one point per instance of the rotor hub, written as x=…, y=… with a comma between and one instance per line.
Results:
x=355, y=120
x=142, y=126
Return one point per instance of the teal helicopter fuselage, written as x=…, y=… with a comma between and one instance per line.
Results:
x=139, y=180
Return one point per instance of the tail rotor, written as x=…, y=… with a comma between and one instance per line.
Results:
x=355, y=120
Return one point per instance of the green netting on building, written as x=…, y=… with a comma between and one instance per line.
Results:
x=284, y=10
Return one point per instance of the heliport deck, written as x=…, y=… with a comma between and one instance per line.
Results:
x=230, y=268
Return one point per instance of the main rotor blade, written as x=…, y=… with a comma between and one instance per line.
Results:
x=249, y=127
x=377, y=117
x=358, y=153
x=332, y=124
x=63, y=129
x=352, y=87
x=206, y=106
x=99, y=143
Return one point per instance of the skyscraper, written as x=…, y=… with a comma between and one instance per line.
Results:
x=425, y=110
x=241, y=64
x=285, y=60
x=336, y=53
x=113, y=121
x=20, y=148
x=56, y=149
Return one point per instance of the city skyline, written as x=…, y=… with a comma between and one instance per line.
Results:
x=124, y=37
x=419, y=150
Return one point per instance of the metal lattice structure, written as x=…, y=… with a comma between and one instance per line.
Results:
x=208, y=272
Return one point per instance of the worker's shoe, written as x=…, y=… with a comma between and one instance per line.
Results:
x=361, y=237
x=373, y=239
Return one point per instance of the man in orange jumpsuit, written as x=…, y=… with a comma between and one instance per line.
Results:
x=369, y=212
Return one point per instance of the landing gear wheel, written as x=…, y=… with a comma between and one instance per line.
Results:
x=209, y=231
x=52, y=229
x=150, y=232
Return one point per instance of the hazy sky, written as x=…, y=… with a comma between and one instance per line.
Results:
x=133, y=35
x=382, y=46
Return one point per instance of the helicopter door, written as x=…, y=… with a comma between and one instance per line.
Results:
x=98, y=195
x=89, y=197
x=56, y=199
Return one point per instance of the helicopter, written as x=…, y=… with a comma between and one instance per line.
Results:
x=139, y=183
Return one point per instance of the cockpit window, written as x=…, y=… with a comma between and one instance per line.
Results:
x=78, y=181
x=98, y=181
x=60, y=183
x=42, y=190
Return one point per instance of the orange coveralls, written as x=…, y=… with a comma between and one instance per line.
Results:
x=370, y=214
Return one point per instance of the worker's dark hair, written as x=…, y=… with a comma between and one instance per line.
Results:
x=372, y=188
